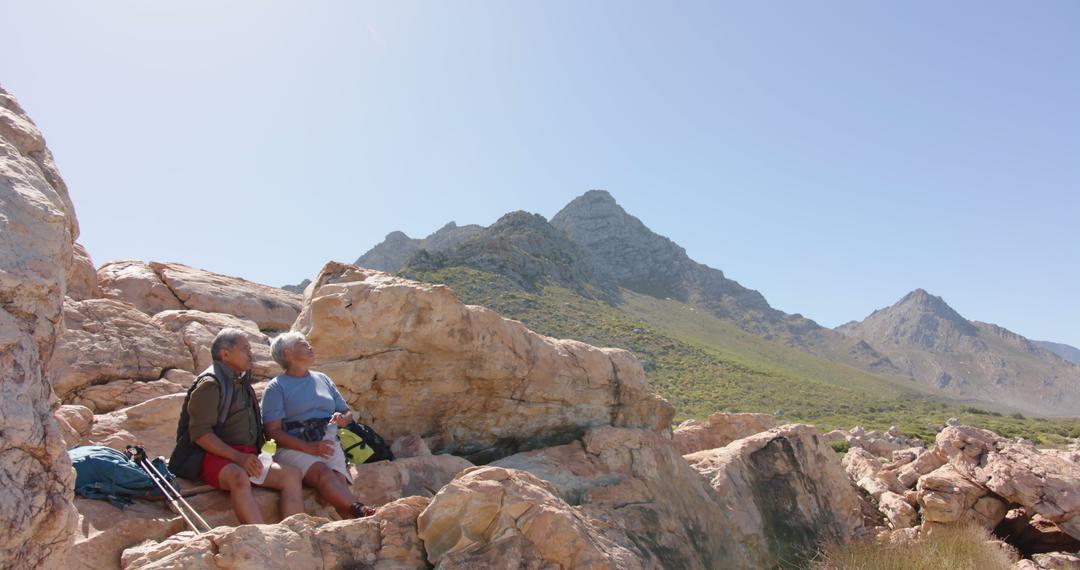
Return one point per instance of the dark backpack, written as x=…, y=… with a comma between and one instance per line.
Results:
x=105, y=473
x=365, y=437
x=187, y=456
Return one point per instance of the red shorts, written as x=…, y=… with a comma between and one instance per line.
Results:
x=213, y=464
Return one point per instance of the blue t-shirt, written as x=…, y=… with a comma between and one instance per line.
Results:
x=294, y=399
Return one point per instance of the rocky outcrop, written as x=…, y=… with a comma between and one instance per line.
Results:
x=946, y=496
x=490, y=516
x=197, y=329
x=272, y=309
x=384, y=541
x=1042, y=483
x=135, y=283
x=399, y=349
x=108, y=340
x=37, y=231
x=151, y=424
x=421, y=476
x=719, y=430
x=646, y=495
x=784, y=492
x=1025, y=495
x=155, y=287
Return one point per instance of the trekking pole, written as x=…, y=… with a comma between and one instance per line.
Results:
x=179, y=497
x=139, y=455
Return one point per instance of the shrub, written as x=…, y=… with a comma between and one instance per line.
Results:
x=840, y=446
x=946, y=548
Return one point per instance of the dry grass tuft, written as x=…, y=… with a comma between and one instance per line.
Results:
x=946, y=548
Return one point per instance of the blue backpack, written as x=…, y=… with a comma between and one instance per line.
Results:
x=107, y=474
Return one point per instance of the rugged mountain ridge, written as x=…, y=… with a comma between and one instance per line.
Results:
x=928, y=340
x=1070, y=353
x=393, y=252
x=526, y=249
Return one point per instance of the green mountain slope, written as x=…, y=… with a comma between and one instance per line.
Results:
x=703, y=364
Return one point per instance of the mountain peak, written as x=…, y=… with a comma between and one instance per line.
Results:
x=599, y=196
x=923, y=301
x=397, y=236
x=594, y=203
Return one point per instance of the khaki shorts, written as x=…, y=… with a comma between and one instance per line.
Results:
x=304, y=461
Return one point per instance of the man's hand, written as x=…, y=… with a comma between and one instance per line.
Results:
x=342, y=419
x=322, y=448
x=249, y=462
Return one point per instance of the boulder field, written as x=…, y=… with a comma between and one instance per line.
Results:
x=513, y=448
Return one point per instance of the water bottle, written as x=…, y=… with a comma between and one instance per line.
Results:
x=266, y=457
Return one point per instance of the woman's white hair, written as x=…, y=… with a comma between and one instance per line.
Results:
x=281, y=343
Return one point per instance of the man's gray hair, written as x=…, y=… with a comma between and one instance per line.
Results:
x=283, y=342
x=226, y=338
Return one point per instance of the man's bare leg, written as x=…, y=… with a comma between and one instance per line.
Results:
x=234, y=479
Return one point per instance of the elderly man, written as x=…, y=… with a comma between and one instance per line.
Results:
x=221, y=432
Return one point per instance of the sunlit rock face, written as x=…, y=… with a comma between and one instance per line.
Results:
x=37, y=233
x=413, y=358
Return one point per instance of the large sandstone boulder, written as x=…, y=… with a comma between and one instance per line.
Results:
x=271, y=308
x=638, y=488
x=412, y=358
x=37, y=230
x=1044, y=484
x=198, y=329
x=135, y=283
x=151, y=424
x=385, y=481
x=118, y=394
x=784, y=493
x=719, y=430
x=490, y=517
x=387, y=540
x=109, y=340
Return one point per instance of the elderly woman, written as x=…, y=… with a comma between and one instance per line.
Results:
x=302, y=410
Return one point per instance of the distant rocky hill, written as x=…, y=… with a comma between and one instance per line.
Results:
x=1070, y=353
x=524, y=248
x=397, y=248
x=934, y=344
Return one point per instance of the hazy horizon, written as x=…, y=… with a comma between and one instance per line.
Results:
x=832, y=156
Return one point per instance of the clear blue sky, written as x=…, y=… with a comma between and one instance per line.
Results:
x=833, y=155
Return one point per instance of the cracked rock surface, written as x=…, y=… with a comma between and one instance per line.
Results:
x=413, y=358
x=37, y=231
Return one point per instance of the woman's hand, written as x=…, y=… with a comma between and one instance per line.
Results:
x=342, y=419
x=322, y=448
